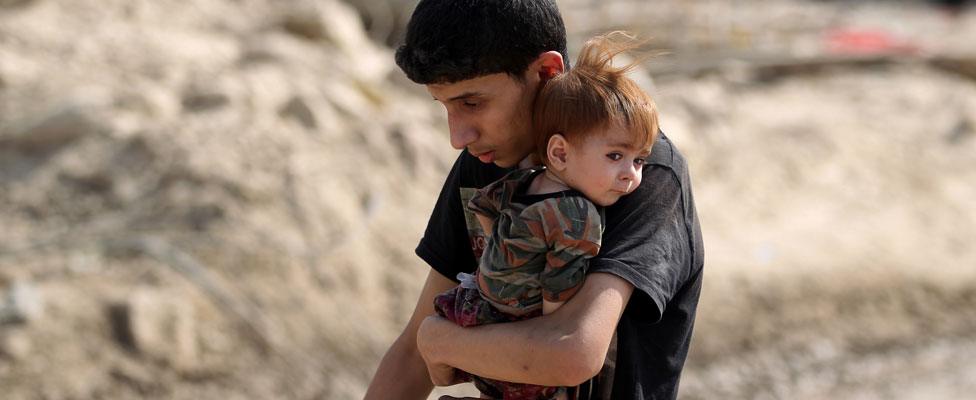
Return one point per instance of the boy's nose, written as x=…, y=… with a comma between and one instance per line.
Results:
x=461, y=134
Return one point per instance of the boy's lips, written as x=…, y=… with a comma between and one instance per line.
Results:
x=486, y=157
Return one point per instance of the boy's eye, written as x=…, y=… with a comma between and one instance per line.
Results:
x=615, y=156
x=470, y=104
x=639, y=161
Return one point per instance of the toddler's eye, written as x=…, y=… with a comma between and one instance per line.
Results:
x=639, y=161
x=469, y=104
x=615, y=156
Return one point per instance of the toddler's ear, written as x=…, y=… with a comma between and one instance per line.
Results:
x=556, y=151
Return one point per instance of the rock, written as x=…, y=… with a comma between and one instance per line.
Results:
x=344, y=27
x=339, y=24
x=14, y=3
x=959, y=65
x=405, y=149
x=298, y=109
x=23, y=304
x=329, y=20
x=962, y=130
x=15, y=344
x=304, y=25
x=138, y=377
x=53, y=131
x=203, y=101
x=158, y=324
x=6, y=278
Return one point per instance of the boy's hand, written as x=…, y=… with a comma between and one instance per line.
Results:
x=440, y=374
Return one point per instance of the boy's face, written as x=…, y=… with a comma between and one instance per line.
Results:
x=605, y=166
x=490, y=116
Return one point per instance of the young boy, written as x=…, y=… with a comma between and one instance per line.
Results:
x=595, y=129
x=626, y=332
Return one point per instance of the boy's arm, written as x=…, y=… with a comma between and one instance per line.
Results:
x=401, y=373
x=564, y=348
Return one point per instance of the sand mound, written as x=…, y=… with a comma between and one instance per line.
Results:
x=220, y=198
x=254, y=162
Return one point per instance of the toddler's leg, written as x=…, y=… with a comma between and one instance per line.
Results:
x=465, y=307
x=444, y=304
x=500, y=390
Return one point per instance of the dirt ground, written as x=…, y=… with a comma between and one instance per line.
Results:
x=221, y=198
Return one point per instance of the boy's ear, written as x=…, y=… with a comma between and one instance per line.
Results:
x=549, y=64
x=556, y=152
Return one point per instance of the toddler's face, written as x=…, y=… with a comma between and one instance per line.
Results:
x=605, y=167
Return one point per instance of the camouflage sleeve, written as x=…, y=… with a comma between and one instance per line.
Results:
x=487, y=200
x=573, y=228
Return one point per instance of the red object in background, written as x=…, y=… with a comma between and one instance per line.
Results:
x=850, y=41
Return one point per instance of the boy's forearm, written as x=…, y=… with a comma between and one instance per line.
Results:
x=402, y=374
x=498, y=351
x=561, y=349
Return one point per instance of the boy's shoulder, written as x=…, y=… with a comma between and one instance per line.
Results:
x=664, y=154
x=665, y=180
x=665, y=167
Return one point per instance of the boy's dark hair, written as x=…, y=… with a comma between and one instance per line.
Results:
x=454, y=40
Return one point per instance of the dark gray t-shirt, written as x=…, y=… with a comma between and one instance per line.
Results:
x=652, y=240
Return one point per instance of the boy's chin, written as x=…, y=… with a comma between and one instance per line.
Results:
x=527, y=161
x=504, y=163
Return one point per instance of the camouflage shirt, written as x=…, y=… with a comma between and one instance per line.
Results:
x=539, y=245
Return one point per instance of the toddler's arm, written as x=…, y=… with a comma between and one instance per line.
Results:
x=548, y=307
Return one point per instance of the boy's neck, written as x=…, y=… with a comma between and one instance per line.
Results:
x=530, y=160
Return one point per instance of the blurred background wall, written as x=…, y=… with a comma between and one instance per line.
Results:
x=220, y=199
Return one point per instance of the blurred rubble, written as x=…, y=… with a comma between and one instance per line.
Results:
x=191, y=187
x=221, y=198
x=157, y=324
x=22, y=304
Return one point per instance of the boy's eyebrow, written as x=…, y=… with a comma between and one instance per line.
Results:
x=465, y=95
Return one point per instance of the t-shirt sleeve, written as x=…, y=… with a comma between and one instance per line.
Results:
x=646, y=242
x=572, y=227
x=446, y=245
